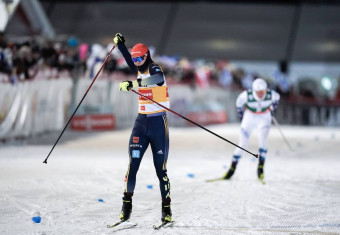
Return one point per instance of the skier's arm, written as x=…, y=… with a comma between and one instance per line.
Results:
x=157, y=76
x=119, y=41
x=152, y=80
x=275, y=101
x=240, y=102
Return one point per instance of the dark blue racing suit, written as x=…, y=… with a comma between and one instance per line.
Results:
x=151, y=125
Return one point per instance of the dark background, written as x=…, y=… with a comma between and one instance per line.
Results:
x=283, y=31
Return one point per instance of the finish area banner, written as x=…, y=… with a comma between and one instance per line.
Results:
x=93, y=122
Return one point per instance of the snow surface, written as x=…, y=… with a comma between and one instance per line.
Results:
x=301, y=194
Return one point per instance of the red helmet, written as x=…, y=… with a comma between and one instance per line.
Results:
x=139, y=50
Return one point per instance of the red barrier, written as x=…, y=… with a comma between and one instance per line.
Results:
x=93, y=122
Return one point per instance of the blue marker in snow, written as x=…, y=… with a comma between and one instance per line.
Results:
x=190, y=175
x=36, y=217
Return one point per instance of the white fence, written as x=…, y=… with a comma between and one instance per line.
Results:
x=30, y=108
x=35, y=107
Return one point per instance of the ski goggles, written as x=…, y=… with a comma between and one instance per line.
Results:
x=138, y=59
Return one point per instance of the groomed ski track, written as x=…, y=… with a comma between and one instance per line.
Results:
x=301, y=194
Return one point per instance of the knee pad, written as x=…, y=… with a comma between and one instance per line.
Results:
x=263, y=153
x=236, y=158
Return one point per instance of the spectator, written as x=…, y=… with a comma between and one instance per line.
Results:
x=337, y=96
x=95, y=60
x=3, y=42
x=281, y=83
x=22, y=62
x=49, y=55
x=4, y=60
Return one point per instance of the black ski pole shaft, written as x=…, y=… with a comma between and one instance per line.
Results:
x=108, y=56
x=283, y=136
x=187, y=119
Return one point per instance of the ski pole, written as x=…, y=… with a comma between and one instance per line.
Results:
x=107, y=57
x=187, y=119
x=284, y=138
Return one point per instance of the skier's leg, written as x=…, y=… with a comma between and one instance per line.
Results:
x=247, y=126
x=159, y=141
x=263, y=133
x=138, y=144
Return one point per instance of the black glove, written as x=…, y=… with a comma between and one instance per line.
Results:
x=274, y=107
x=118, y=38
x=240, y=113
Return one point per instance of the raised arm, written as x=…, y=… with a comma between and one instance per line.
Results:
x=120, y=42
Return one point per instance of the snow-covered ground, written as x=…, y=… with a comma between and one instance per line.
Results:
x=301, y=194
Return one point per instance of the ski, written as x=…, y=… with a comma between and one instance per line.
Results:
x=164, y=225
x=214, y=180
x=114, y=225
x=122, y=224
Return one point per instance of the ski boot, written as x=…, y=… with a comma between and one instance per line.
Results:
x=166, y=211
x=231, y=171
x=127, y=207
x=260, y=174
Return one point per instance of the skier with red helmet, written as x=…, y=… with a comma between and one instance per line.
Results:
x=151, y=125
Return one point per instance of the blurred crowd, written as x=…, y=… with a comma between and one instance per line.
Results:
x=23, y=61
x=38, y=58
x=26, y=60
